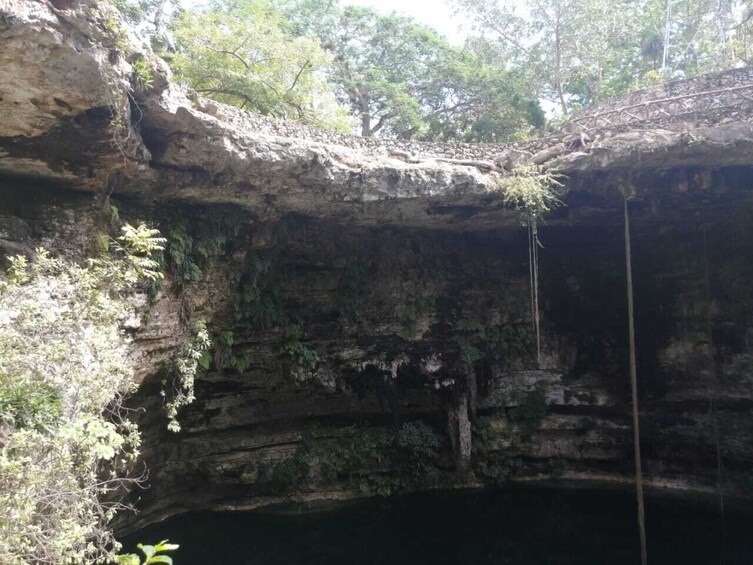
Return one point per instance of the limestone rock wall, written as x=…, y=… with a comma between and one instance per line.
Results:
x=391, y=315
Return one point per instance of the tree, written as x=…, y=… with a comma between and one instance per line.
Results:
x=382, y=67
x=578, y=52
x=472, y=101
x=400, y=78
x=698, y=36
x=65, y=441
x=238, y=52
x=570, y=48
x=150, y=19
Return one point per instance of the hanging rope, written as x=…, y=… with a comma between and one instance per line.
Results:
x=714, y=392
x=530, y=273
x=634, y=389
x=533, y=267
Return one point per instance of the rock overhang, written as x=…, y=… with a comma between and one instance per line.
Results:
x=72, y=114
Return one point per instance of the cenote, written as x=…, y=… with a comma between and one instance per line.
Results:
x=453, y=347
x=516, y=525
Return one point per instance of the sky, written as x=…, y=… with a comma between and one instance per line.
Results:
x=434, y=13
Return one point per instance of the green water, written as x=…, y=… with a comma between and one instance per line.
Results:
x=521, y=525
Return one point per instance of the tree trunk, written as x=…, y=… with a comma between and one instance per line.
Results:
x=365, y=116
x=365, y=124
x=558, y=55
x=459, y=431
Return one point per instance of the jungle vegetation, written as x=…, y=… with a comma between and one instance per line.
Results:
x=67, y=442
x=355, y=69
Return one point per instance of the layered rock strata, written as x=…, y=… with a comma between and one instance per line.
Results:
x=370, y=299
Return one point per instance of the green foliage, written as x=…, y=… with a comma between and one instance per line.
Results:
x=531, y=411
x=64, y=369
x=571, y=51
x=17, y=273
x=286, y=475
x=351, y=290
x=383, y=462
x=225, y=338
x=114, y=214
x=223, y=355
x=301, y=358
x=116, y=33
x=354, y=453
x=239, y=52
x=417, y=452
x=223, y=350
x=180, y=373
x=142, y=73
x=180, y=257
x=29, y=405
x=209, y=245
x=190, y=254
x=242, y=362
x=133, y=257
x=532, y=190
x=469, y=354
x=153, y=554
x=317, y=61
x=497, y=343
x=138, y=247
x=497, y=445
x=578, y=53
x=400, y=78
x=259, y=301
x=498, y=467
x=410, y=312
x=492, y=465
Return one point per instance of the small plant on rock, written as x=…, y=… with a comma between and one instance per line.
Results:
x=300, y=357
x=153, y=554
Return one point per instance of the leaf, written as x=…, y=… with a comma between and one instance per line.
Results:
x=160, y=559
x=147, y=550
x=242, y=362
x=129, y=559
x=165, y=546
x=103, y=240
x=226, y=338
x=205, y=360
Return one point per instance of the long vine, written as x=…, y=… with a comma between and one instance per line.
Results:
x=533, y=191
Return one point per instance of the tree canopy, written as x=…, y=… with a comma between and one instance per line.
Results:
x=347, y=68
x=577, y=52
x=401, y=78
x=353, y=68
x=238, y=52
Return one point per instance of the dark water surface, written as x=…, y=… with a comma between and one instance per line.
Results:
x=521, y=525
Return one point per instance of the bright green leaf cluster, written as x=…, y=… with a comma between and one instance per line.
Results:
x=153, y=554
x=238, y=52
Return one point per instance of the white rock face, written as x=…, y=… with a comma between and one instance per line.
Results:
x=70, y=112
x=52, y=68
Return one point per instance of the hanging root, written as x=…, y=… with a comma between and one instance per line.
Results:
x=634, y=389
x=533, y=271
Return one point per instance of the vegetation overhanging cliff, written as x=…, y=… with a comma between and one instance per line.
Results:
x=368, y=299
